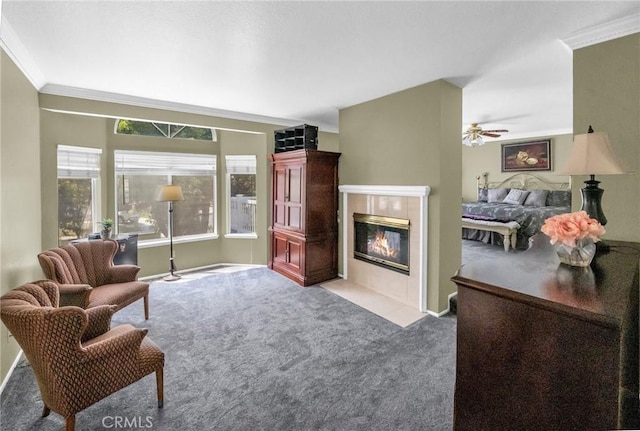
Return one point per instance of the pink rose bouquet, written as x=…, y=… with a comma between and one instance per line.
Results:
x=571, y=227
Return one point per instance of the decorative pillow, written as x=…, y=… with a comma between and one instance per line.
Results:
x=497, y=195
x=516, y=197
x=559, y=198
x=536, y=198
x=482, y=194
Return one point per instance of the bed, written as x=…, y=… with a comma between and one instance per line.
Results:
x=525, y=199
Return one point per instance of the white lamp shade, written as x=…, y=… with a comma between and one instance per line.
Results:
x=592, y=154
x=169, y=193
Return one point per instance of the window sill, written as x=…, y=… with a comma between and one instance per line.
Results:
x=182, y=240
x=241, y=236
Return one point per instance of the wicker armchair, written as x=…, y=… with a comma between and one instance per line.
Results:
x=76, y=358
x=88, y=278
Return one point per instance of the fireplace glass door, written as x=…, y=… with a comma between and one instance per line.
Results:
x=382, y=241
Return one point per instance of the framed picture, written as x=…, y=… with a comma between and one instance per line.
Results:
x=527, y=156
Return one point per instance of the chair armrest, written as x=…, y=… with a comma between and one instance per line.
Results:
x=99, y=321
x=123, y=273
x=122, y=343
x=74, y=294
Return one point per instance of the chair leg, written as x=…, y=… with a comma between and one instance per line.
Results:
x=160, y=386
x=70, y=424
x=146, y=307
x=45, y=411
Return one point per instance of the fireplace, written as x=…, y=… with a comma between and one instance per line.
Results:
x=382, y=241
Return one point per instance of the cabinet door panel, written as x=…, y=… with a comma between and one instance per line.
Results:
x=280, y=248
x=295, y=184
x=295, y=217
x=279, y=196
x=295, y=254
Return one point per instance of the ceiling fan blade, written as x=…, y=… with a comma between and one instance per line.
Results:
x=491, y=135
x=496, y=131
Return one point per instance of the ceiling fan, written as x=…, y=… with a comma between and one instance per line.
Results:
x=474, y=135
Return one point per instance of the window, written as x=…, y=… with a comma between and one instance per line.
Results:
x=150, y=128
x=78, y=192
x=241, y=194
x=139, y=175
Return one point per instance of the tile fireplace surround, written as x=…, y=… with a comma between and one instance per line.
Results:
x=404, y=202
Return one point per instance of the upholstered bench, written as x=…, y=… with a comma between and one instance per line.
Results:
x=508, y=229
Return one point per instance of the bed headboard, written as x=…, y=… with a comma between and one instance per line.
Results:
x=523, y=181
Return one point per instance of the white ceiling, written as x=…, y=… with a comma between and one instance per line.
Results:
x=295, y=62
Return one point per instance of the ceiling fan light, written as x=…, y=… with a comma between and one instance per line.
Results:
x=472, y=141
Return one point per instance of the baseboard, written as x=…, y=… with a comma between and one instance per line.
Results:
x=447, y=310
x=13, y=367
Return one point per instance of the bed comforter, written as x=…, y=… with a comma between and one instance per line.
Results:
x=530, y=219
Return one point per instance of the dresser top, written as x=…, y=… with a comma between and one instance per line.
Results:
x=601, y=293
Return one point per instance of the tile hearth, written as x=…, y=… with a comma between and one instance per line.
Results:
x=385, y=307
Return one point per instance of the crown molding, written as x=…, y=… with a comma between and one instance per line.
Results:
x=11, y=44
x=602, y=33
x=103, y=96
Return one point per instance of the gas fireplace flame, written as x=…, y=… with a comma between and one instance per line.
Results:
x=382, y=246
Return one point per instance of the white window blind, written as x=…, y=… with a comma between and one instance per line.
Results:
x=241, y=164
x=151, y=163
x=78, y=162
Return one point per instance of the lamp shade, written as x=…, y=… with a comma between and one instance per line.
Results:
x=169, y=193
x=592, y=154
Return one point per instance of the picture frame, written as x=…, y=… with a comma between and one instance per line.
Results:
x=527, y=156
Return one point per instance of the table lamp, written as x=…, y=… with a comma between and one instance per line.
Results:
x=171, y=194
x=592, y=154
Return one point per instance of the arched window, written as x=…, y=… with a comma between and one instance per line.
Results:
x=167, y=130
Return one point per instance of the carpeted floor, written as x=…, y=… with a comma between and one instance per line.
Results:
x=477, y=250
x=250, y=350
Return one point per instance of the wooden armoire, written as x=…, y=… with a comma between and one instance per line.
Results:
x=304, y=215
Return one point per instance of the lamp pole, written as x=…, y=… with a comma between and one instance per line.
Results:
x=170, y=193
x=172, y=265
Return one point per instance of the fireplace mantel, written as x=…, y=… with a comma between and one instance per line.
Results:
x=418, y=192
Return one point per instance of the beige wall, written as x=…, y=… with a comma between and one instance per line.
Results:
x=487, y=158
x=19, y=190
x=606, y=95
x=413, y=138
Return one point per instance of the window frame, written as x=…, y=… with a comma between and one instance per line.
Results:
x=76, y=170
x=228, y=172
x=154, y=242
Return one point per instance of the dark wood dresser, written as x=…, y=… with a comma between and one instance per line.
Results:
x=544, y=346
x=304, y=215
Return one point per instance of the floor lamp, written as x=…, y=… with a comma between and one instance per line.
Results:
x=592, y=154
x=171, y=194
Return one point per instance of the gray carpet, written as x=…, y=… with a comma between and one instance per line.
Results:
x=253, y=351
x=477, y=250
